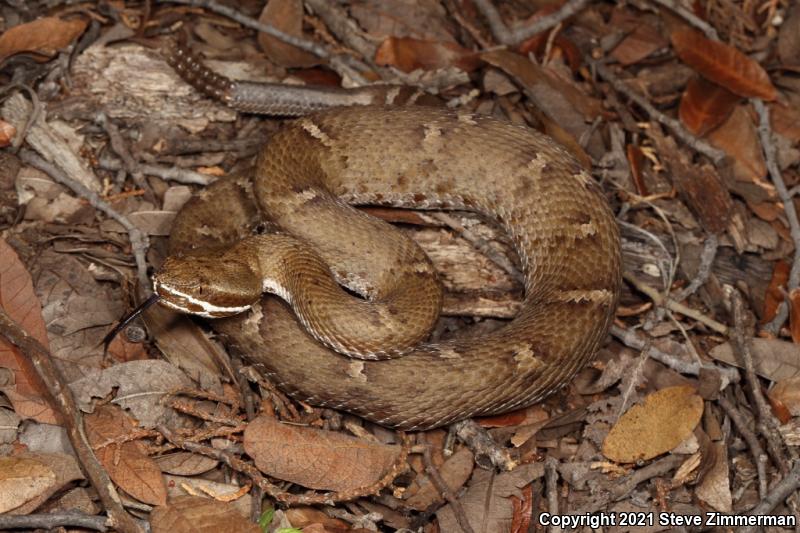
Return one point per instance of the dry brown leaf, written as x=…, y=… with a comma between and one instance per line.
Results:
x=773, y=359
x=195, y=514
x=64, y=467
x=705, y=105
x=785, y=119
x=7, y=133
x=773, y=296
x=523, y=511
x=140, y=386
x=560, y=46
x=564, y=109
x=487, y=502
x=787, y=392
x=421, y=19
x=42, y=37
x=723, y=64
x=527, y=415
x=287, y=16
x=715, y=488
x=637, y=45
x=22, y=479
x=738, y=138
x=789, y=36
x=794, y=314
x=185, y=463
x=699, y=185
x=29, y=394
x=455, y=471
x=187, y=345
x=665, y=419
x=409, y=54
x=127, y=463
x=302, y=517
x=315, y=458
x=122, y=350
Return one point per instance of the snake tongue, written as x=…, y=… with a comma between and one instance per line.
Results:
x=111, y=335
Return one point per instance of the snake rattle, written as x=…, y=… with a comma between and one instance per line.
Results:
x=303, y=186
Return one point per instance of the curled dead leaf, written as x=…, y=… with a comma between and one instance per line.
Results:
x=787, y=393
x=127, y=462
x=287, y=16
x=316, y=458
x=28, y=394
x=410, y=54
x=774, y=294
x=705, y=105
x=22, y=479
x=42, y=37
x=195, y=514
x=723, y=64
x=665, y=419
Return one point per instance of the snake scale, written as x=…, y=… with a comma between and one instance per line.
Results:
x=305, y=180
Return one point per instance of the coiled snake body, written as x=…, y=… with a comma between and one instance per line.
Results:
x=559, y=221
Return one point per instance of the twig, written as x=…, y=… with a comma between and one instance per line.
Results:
x=707, y=257
x=338, y=22
x=487, y=453
x=177, y=174
x=630, y=338
x=767, y=425
x=624, y=487
x=551, y=488
x=248, y=22
x=340, y=64
x=130, y=164
x=52, y=521
x=777, y=493
x=139, y=240
x=441, y=485
x=690, y=17
x=715, y=154
x=43, y=363
x=513, y=37
x=678, y=307
x=750, y=438
x=768, y=147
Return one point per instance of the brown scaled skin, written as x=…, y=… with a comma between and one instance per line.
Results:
x=559, y=221
x=224, y=283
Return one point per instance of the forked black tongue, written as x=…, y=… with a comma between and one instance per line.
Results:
x=127, y=320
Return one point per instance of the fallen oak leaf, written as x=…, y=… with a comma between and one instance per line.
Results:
x=315, y=458
x=195, y=514
x=21, y=480
x=42, y=37
x=723, y=64
x=773, y=359
x=28, y=394
x=126, y=461
x=409, y=54
x=705, y=105
x=665, y=419
x=287, y=16
x=487, y=502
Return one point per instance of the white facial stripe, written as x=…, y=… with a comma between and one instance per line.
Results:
x=208, y=309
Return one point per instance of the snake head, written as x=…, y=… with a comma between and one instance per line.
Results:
x=208, y=286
